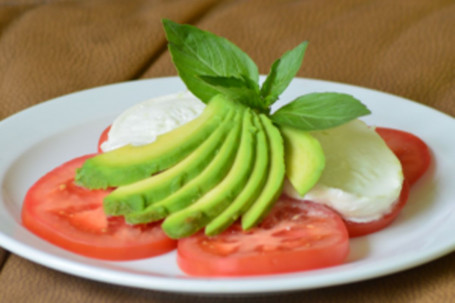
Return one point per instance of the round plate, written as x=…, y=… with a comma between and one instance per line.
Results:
x=42, y=137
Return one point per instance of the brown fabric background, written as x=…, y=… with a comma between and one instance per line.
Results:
x=49, y=48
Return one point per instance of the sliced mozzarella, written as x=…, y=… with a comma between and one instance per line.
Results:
x=143, y=122
x=362, y=178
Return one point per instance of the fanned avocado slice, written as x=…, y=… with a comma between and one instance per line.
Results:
x=191, y=219
x=129, y=164
x=198, y=186
x=275, y=178
x=137, y=196
x=304, y=158
x=252, y=188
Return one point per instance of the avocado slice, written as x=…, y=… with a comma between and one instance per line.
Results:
x=129, y=164
x=191, y=219
x=252, y=188
x=137, y=196
x=275, y=178
x=304, y=158
x=198, y=186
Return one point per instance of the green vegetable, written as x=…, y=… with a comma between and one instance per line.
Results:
x=282, y=72
x=199, y=53
x=240, y=90
x=319, y=111
x=211, y=65
x=130, y=164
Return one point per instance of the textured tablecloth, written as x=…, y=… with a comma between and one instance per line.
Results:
x=50, y=48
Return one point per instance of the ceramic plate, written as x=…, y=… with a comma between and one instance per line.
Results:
x=37, y=139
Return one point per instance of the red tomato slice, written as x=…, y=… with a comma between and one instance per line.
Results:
x=413, y=153
x=103, y=138
x=295, y=236
x=72, y=217
x=415, y=159
x=357, y=229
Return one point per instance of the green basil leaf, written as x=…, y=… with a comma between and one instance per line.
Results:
x=197, y=52
x=318, y=111
x=282, y=72
x=239, y=90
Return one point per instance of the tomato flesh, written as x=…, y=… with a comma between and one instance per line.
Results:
x=413, y=153
x=103, y=137
x=357, y=229
x=72, y=217
x=295, y=236
x=415, y=158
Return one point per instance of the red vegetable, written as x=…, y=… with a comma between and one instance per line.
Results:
x=413, y=153
x=72, y=217
x=103, y=137
x=415, y=159
x=356, y=229
x=295, y=236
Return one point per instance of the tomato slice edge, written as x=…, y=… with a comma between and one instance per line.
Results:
x=194, y=260
x=122, y=244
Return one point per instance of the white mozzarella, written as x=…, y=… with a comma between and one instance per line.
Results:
x=362, y=178
x=143, y=122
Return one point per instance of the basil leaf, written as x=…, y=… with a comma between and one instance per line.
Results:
x=282, y=72
x=197, y=52
x=318, y=111
x=241, y=90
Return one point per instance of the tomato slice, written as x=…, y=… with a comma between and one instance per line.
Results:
x=357, y=229
x=413, y=153
x=295, y=236
x=103, y=137
x=415, y=159
x=72, y=217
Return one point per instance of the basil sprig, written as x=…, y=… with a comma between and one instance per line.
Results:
x=281, y=73
x=319, y=111
x=211, y=65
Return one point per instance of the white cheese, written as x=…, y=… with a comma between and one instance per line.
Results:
x=143, y=122
x=362, y=178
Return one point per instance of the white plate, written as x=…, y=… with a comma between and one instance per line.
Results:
x=44, y=136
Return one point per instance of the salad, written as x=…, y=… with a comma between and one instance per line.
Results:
x=236, y=189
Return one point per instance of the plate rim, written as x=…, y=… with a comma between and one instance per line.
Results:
x=17, y=247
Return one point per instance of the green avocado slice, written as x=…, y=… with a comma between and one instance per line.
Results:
x=304, y=158
x=129, y=164
x=137, y=196
x=191, y=219
x=252, y=188
x=275, y=178
x=198, y=186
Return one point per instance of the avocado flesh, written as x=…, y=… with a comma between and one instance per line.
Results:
x=129, y=164
x=252, y=188
x=198, y=186
x=191, y=219
x=304, y=158
x=137, y=196
x=275, y=178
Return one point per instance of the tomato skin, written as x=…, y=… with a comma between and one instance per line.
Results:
x=103, y=137
x=295, y=236
x=415, y=158
x=357, y=229
x=413, y=153
x=72, y=218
